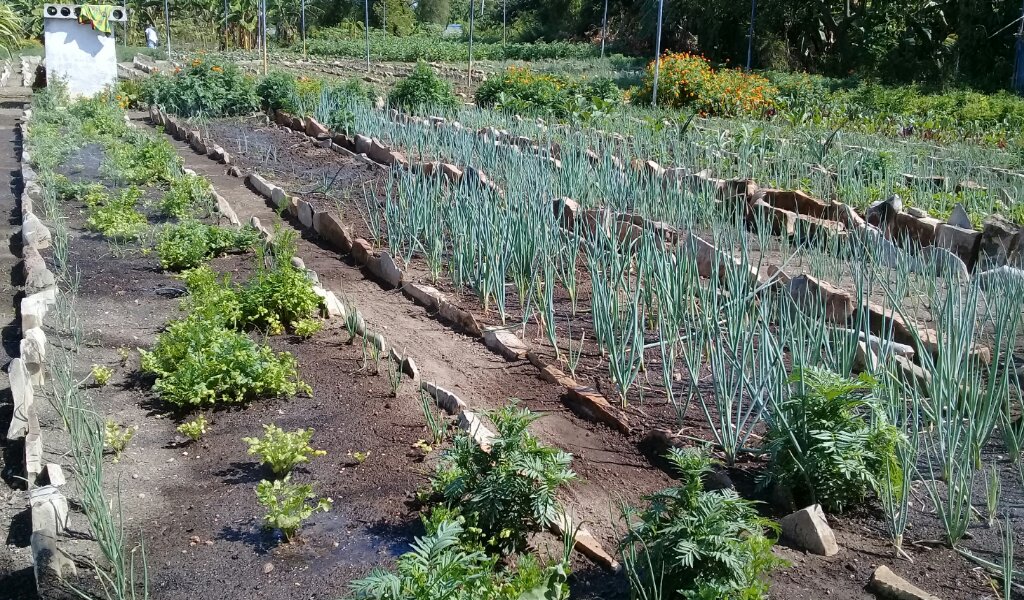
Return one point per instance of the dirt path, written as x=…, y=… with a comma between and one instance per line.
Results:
x=610, y=468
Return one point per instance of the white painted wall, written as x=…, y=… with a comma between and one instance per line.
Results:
x=80, y=55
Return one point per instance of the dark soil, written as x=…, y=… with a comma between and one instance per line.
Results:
x=611, y=466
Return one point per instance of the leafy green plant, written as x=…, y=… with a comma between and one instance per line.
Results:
x=288, y=505
x=522, y=91
x=307, y=328
x=509, y=491
x=187, y=196
x=276, y=90
x=445, y=564
x=828, y=441
x=195, y=429
x=141, y=159
x=279, y=294
x=360, y=457
x=101, y=375
x=117, y=437
x=201, y=363
x=204, y=88
x=187, y=244
x=283, y=450
x=691, y=543
x=423, y=90
x=117, y=218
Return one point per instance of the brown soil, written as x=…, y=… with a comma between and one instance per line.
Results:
x=611, y=466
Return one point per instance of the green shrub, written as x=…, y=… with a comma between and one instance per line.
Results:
x=276, y=91
x=829, y=442
x=204, y=89
x=423, y=90
x=187, y=195
x=442, y=564
x=510, y=491
x=520, y=90
x=188, y=244
x=200, y=363
x=117, y=218
x=283, y=450
x=691, y=543
x=288, y=505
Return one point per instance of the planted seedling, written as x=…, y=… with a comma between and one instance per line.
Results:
x=101, y=375
x=283, y=450
x=359, y=457
x=307, y=328
x=288, y=505
x=117, y=437
x=194, y=429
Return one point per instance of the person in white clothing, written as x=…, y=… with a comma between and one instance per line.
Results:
x=151, y=38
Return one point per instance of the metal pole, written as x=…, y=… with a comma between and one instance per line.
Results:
x=750, y=34
x=263, y=5
x=504, y=23
x=657, y=55
x=472, y=17
x=366, y=3
x=167, y=27
x=225, y=24
x=604, y=27
x=304, y=57
x=384, y=16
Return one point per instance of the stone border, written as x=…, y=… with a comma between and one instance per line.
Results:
x=49, y=507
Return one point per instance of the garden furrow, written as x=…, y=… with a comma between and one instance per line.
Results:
x=610, y=468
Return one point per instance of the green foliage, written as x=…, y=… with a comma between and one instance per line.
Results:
x=200, y=363
x=445, y=563
x=283, y=450
x=829, y=442
x=509, y=491
x=394, y=15
x=188, y=244
x=194, y=429
x=423, y=90
x=519, y=90
x=288, y=505
x=691, y=543
x=142, y=159
x=204, y=89
x=434, y=11
x=307, y=328
x=187, y=195
x=276, y=90
x=117, y=437
x=101, y=375
x=117, y=218
x=279, y=295
x=431, y=47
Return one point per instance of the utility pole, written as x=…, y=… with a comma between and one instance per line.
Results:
x=750, y=33
x=167, y=26
x=472, y=18
x=657, y=55
x=604, y=27
x=366, y=29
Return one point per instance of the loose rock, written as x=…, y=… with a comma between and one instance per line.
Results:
x=809, y=529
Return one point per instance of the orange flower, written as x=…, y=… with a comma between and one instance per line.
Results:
x=216, y=69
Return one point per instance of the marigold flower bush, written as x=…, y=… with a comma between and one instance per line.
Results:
x=521, y=90
x=689, y=80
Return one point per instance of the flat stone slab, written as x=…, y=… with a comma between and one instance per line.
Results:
x=505, y=343
x=23, y=394
x=890, y=586
x=591, y=405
